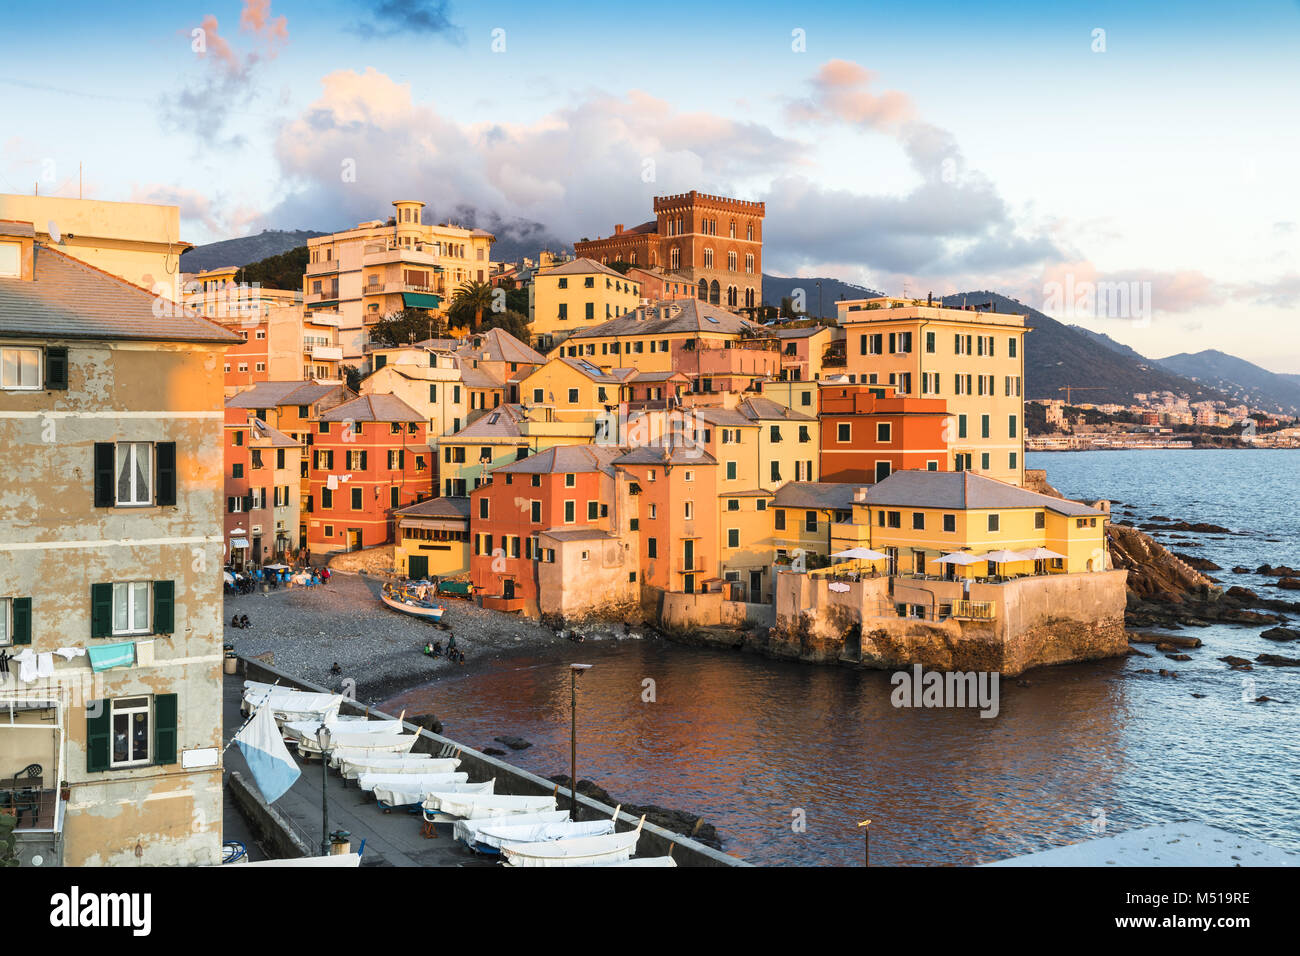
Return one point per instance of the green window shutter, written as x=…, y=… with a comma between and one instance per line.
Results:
x=164, y=728
x=165, y=473
x=164, y=607
x=56, y=369
x=104, y=455
x=101, y=610
x=99, y=735
x=22, y=620
x=363, y=461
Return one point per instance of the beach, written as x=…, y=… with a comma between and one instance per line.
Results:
x=308, y=630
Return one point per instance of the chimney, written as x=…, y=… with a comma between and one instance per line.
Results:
x=618, y=229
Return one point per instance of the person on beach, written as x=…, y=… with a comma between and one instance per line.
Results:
x=336, y=670
x=428, y=649
x=451, y=647
x=437, y=648
x=325, y=575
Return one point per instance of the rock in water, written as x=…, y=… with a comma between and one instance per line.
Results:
x=514, y=743
x=427, y=722
x=1281, y=634
x=1274, y=660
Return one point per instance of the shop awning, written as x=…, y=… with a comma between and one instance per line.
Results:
x=421, y=300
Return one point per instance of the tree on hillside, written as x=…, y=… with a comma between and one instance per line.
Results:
x=284, y=271
x=352, y=377
x=407, y=326
x=517, y=301
x=619, y=266
x=468, y=305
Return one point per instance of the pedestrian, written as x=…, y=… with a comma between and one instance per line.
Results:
x=325, y=575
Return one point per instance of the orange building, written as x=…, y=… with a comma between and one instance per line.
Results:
x=868, y=433
x=369, y=457
x=565, y=487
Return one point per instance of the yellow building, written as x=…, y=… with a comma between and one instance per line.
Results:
x=813, y=520
x=380, y=267
x=139, y=242
x=111, y=550
x=577, y=294
x=679, y=335
x=497, y=437
x=972, y=360
x=433, y=538
x=918, y=516
x=573, y=390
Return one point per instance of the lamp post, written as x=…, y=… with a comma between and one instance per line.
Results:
x=574, y=671
x=324, y=801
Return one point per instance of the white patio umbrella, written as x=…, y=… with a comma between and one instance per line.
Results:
x=860, y=554
x=959, y=557
x=1005, y=557
x=1039, y=554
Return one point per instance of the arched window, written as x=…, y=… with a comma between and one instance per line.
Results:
x=749, y=298
x=732, y=299
x=675, y=258
x=731, y=261
x=632, y=259
x=715, y=291
x=708, y=258
x=704, y=290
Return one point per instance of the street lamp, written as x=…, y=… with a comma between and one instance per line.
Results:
x=324, y=802
x=574, y=671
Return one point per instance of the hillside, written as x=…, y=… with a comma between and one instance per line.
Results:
x=775, y=288
x=1242, y=380
x=245, y=249
x=1057, y=355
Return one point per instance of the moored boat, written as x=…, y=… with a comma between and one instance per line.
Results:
x=404, y=600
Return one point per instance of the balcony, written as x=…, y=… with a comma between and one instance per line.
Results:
x=31, y=735
x=313, y=298
x=378, y=254
x=323, y=353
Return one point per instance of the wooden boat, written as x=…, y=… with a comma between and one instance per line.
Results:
x=466, y=831
x=442, y=807
x=395, y=794
x=353, y=763
x=582, y=851
x=400, y=599
x=491, y=839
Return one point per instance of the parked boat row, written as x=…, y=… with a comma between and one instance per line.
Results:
x=524, y=830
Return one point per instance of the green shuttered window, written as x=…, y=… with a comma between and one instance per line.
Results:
x=164, y=607
x=164, y=728
x=99, y=735
x=21, y=611
x=165, y=476
x=101, y=610
x=104, y=460
x=56, y=369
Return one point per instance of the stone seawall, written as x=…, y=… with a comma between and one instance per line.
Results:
x=1036, y=621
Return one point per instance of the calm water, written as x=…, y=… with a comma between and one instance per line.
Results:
x=755, y=745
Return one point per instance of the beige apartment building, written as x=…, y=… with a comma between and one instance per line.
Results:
x=383, y=266
x=974, y=361
x=138, y=241
x=110, y=566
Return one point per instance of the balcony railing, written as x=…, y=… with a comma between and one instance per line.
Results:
x=974, y=610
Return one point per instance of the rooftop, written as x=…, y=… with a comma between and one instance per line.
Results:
x=373, y=408
x=69, y=299
x=580, y=266
x=672, y=315
x=964, y=490
x=565, y=459
x=836, y=496
x=272, y=394
x=436, y=508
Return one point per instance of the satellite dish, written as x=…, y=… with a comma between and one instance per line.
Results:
x=55, y=235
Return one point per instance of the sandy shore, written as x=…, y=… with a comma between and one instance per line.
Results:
x=309, y=629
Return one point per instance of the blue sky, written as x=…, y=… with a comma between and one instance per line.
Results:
x=934, y=146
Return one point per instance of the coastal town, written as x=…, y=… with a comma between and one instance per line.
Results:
x=450, y=437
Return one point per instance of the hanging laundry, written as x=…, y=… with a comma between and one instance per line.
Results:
x=332, y=482
x=5, y=658
x=26, y=666
x=68, y=653
x=45, y=665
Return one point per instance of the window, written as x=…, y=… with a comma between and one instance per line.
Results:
x=131, y=608
x=1040, y=518
x=984, y=426
x=810, y=521
x=883, y=432
x=893, y=519
x=15, y=621
x=843, y=432
x=778, y=519
x=950, y=523
x=570, y=511
x=776, y=470
x=918, y=520
x=20, y=368
x=131, y=730
x=570, y=480
x=961, y=426
x=483, y=508
x=731, y=471
x=573, y=396
x=356, y=499
x=593, y=510
x=984, y=461
x=1011, y=347
x=994, y=521
x=535, y=512
x=1011, y=425
x=1011, y=460
x=688, y=510
x=652, y=548
x=134, y=472
x=733, y=538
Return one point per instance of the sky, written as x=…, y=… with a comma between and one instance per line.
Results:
x=1127, y=167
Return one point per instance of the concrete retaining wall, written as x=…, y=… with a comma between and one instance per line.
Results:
x=270, y=827
x=687, y=611
x=654, y=840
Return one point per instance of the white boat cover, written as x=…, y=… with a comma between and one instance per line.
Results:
x=404, y=798
x=423, y=782
x=341, y=859
x=467, y=830
x=643, y=861
x=509, y=832
x=376, y=743
x=310, y=729
x=581, y=851
x=353, y=763
x=474, y=805
x=293, y=705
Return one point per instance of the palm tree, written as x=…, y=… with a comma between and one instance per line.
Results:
x=471, y=299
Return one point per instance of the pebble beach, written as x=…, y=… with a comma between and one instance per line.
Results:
x=307, y=630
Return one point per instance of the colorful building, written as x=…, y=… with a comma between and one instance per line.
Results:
x=972, y=360
x=369, y=458
x=567, y=488
x=577, y=294
x=380, y=267
x=263, y=485
x=868, y=432
x=714, y=241
x=110, y=555
x=433, y=538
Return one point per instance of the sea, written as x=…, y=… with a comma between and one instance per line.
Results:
x=787, y=759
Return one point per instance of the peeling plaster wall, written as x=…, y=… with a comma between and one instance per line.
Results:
x=121, y=392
